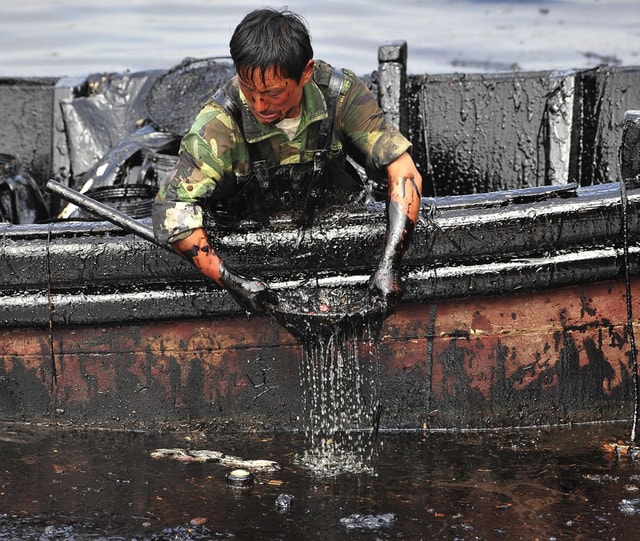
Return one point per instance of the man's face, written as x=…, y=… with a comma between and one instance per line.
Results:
x=272, y=97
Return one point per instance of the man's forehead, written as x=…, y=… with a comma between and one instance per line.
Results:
x=255, y=77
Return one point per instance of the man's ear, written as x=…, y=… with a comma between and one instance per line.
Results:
x=307, y=73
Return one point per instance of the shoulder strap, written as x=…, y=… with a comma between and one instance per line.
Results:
x=233, y=108
x=331, y=94
x=230, y=106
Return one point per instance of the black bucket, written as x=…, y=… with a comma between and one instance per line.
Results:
x=135, y=200
x=155, y=166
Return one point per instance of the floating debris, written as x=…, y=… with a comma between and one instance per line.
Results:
x=240, y=478
x=284, y=501
x=602, y=479
x=204, y=455
x=620, y=450
x=630, y=507
x=358, y=521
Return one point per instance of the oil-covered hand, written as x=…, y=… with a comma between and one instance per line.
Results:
x=250, y=293
x=385, y=286
x=403, y=207
x=386, y=289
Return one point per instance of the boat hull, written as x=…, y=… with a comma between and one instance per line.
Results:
x=522, y=359
x=521, y=286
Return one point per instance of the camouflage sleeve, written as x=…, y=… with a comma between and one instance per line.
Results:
x=208, y=154
x=362, y=122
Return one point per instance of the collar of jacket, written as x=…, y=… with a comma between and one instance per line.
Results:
x=314, y=109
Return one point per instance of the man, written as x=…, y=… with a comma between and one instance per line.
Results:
x=275, y=138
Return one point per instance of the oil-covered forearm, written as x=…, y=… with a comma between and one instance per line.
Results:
x=197, y=250
x=403, y=208
x=250, y=293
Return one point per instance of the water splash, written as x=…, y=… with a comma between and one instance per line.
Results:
x=339, y=380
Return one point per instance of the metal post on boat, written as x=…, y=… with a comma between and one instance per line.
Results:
x=392, y=83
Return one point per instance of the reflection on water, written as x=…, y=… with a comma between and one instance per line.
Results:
x=542, y=484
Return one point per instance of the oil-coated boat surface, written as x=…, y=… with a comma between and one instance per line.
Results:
x=521, y=280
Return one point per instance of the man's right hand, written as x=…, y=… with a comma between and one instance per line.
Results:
x=252, y=294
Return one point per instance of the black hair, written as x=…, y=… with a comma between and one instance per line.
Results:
x=270, y=38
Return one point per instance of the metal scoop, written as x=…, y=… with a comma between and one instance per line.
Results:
x=307, y=313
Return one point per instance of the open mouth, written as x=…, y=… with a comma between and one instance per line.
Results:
x=269, y=118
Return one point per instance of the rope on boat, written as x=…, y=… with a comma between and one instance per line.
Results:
x=632, y=342
x=54, y=372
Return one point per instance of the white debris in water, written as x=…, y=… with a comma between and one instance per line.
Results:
x=359, y=521
x=630, y=507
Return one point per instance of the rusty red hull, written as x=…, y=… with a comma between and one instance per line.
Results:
x=523, y=359
x=99, y=327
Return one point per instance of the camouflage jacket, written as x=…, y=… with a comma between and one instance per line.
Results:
x=214, y=154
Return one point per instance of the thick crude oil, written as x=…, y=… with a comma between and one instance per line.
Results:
x=554, y=483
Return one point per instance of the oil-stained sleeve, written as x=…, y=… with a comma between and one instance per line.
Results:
x=208, y=155
x=363, y=124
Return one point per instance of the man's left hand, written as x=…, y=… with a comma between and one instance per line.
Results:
x=386, y=289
